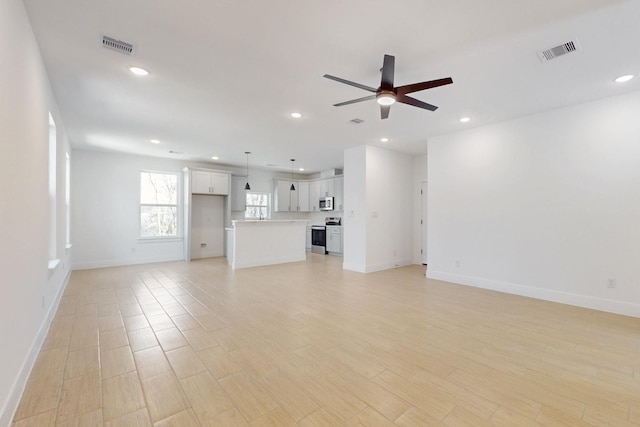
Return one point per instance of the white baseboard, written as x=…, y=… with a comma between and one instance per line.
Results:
x=18, y=386
x=372, y=268
x=586, y=301
x=124, y=261
x=269, y=261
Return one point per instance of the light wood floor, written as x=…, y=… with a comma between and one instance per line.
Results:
x=309, y=344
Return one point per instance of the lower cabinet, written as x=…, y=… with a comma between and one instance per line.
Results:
x=334, y=240
x=308, y=238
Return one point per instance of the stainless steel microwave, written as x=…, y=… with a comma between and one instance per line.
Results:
x=326, y=203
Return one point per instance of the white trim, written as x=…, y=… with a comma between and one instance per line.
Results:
x=125, y=261
x=375, y=267
x=53, y=263
x=586, y=301
x=19, y=384
x=269, y=261
x=159, y=239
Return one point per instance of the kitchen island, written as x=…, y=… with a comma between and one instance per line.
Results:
x=255, y=243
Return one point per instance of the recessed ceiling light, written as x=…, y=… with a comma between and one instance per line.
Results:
x=384, y=139
x=214, y=157
x=465, y=119
x=624, y=78
x=154, y=141
x=296, y=115
x=301, y=169
x=139, y=71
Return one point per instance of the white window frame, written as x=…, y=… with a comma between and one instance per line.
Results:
x=247, y=205
x=53, y=197
x=177, y=205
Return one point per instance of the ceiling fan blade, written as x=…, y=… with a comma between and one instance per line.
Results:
x=384, y=111
x=402, y=90
x=416, y=103
x=353, y=101
x=388, y=67
x=350, y=83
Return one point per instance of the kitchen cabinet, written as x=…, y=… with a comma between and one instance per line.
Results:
x=314, y=196
x=287, y=200
x=325, y=188
x=206, y=211
x=338, y=194
x=308, y=238
x=307, y=194
x=334, y=240
x=303, y=196
x=238, y=194
x=204, y=182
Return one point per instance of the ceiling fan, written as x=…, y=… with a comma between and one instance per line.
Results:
x=387, y=94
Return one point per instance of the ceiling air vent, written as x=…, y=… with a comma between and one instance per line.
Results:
x=556, y=51
x=356, y=121
x=117, y=45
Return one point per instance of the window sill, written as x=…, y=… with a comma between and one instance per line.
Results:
x=159, y=239
x=53, y=263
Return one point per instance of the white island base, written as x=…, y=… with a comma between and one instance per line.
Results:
x=255, y=243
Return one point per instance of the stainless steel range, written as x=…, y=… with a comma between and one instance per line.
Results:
x=319, y=235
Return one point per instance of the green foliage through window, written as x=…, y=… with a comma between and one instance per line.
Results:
x=257, y=206
x=158, y=204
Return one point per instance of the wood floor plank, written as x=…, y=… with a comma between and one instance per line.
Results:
x=121, y=395
x=164, y=396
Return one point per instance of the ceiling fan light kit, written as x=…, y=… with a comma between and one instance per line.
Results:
x=386, y=98
x=387, y=94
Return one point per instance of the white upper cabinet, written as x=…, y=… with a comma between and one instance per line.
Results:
x=314, y=196
x=325, y=188
x=338, y=193
x=238, y=194
x=303, y=196
x=204, y=182
x=307, y=194
x=285, y=199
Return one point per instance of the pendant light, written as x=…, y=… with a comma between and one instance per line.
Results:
x=293, y=187
x=247, y=186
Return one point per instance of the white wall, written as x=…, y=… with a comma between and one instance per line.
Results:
x=545, y=206
x=419, y=177
x=30, y=290
x=378, y=190
x=355, y=209
x=105, y=215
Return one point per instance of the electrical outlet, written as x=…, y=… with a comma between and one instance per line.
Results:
x=611, y=283
x=457, y=264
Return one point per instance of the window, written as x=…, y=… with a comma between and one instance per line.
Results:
x=53, y=201
x=257, y=206
x=67, y=199
x=158, y=204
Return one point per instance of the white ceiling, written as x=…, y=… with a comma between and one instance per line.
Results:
x=225, y=75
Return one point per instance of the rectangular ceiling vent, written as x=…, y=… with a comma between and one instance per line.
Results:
x=356, y=121
x=560, y=50
x=117, y=45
